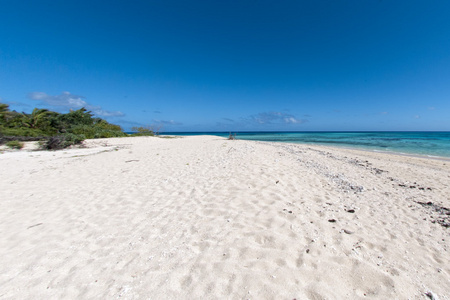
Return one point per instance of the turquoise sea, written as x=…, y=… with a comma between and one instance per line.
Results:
x=416, y=143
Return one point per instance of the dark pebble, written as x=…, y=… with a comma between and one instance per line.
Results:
x=332, y=220
x=351, y=211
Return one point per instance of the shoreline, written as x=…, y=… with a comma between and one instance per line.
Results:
x=207, y=217
x=443, y=158
x=32, y=146
x=416, y=155
x=364, y=150
x=338, y=145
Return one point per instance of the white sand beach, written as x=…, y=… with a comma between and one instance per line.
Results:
x=208, y=218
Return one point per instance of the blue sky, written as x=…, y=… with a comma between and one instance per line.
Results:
x=232, y=65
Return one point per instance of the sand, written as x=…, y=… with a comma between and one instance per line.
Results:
x=207, y=218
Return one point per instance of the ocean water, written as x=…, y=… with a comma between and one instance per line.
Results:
x=416, y=143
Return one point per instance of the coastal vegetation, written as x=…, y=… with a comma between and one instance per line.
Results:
x=15, y=144
x=54, y=130
x=144, y=131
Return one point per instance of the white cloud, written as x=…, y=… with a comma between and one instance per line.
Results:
x=292, y=120
x=167, y=122
x=70, y=101
x=66, y=99
x=105, y=113
x=276, y=117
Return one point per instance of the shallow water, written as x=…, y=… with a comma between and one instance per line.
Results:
x=417, y=143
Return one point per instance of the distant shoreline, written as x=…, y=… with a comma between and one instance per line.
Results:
x=429, y=144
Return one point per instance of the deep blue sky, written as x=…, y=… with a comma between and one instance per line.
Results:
x=232, y=65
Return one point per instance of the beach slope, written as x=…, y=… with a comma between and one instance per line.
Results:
x=208, y=218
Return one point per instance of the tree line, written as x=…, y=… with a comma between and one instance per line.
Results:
x=55, y=130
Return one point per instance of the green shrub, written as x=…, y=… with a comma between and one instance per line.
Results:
x=87, y=130
x=105, y=125
x=22, y=131
x=100, y=134
x=143, y=131
x=97, y=131
x=15, y=145
x=55, y=130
